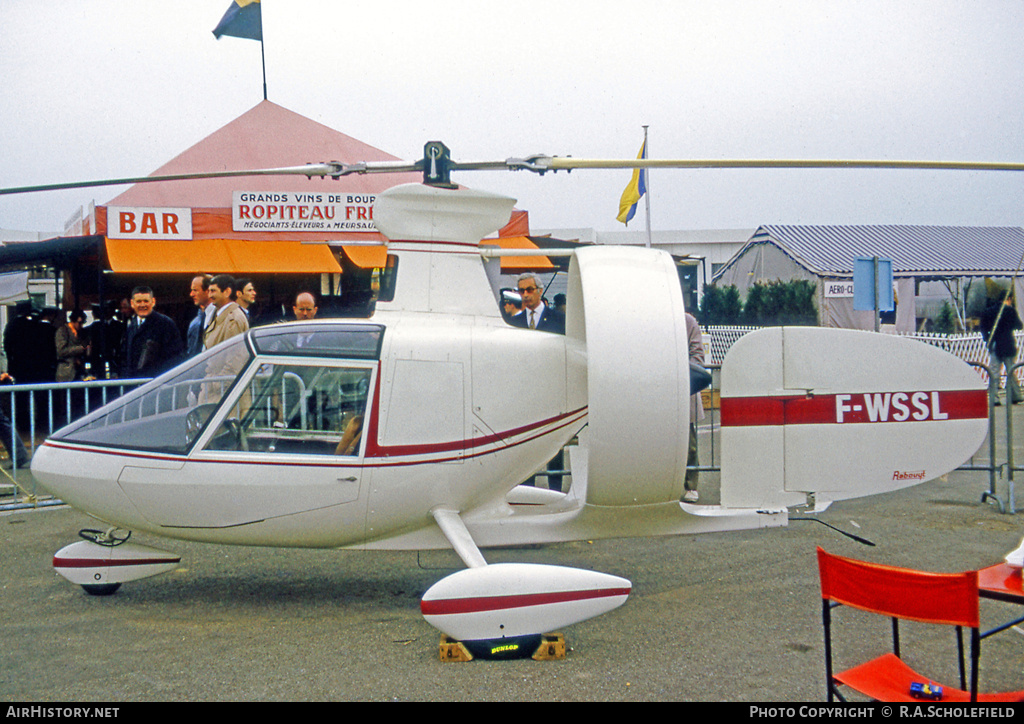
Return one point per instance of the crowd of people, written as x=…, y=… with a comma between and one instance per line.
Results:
x=131, y=339
x=134, y=340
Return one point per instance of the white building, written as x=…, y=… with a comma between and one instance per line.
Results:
x=710, y=249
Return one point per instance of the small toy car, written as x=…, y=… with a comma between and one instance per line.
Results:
x=926, y=691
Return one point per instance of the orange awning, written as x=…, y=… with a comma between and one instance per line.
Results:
x=367, y=257
x=375, y=256
x=231, y=256
x=511, y=264
x=239, y=256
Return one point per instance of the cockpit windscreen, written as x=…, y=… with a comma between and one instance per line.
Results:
x=168, y=414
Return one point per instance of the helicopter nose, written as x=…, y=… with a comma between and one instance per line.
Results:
x=83, y=479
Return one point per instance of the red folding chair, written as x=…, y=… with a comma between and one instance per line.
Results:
x=949, y=599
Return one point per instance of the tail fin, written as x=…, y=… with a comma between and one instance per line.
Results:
x=842, y=414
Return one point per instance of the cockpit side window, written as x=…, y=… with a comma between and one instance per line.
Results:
x=302, y=409
x=349, y=341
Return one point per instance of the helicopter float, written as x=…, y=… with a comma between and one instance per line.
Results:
x=413, y=429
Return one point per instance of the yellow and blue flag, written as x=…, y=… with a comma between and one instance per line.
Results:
x=242, y=20
x=635, y=190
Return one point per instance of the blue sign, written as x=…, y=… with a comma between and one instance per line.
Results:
x=864, y=284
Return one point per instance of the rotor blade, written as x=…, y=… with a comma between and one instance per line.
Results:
x=333, y=169
x=492, y=253
x=538, y=164
x=564, y=163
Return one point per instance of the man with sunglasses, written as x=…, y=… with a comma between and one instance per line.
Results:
x=536, y=314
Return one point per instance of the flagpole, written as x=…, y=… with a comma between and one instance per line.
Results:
x=244, y=19
x=263, y=60
x=647, y=186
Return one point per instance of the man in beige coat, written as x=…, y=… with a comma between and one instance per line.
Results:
x=696, y=342
x=228, y=321
x=228, y=318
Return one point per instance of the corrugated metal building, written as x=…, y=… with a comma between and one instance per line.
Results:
x=952, y=254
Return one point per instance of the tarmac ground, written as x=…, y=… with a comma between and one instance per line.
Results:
x=718, y=617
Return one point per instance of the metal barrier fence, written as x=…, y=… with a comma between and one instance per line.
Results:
x=1007, y=504
x=29, y=413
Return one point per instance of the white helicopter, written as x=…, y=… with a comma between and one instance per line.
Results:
x=412, y=429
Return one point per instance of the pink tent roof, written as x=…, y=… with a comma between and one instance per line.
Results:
x=267, y=136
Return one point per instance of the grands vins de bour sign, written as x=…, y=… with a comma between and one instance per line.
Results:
x=300, y=211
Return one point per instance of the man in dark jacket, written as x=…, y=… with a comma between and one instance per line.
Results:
x=999, y=321
x=152, y=342
x=536, y=314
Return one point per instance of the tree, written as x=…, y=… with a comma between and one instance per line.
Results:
x=721, y=305
x=799, y=308
x=758, y=309
x=781, y=303
x=945, y=320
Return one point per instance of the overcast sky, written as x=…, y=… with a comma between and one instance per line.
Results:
x=114, y=88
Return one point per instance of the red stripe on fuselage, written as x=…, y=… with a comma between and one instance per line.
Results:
x=855, y=407
x=374, y=450
x=452, y=606
x=377, y=456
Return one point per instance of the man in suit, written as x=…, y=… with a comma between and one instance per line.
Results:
x=245, y=297
x=200, y=294
x=151, y=342
x=536, y=314
x=539, y=316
